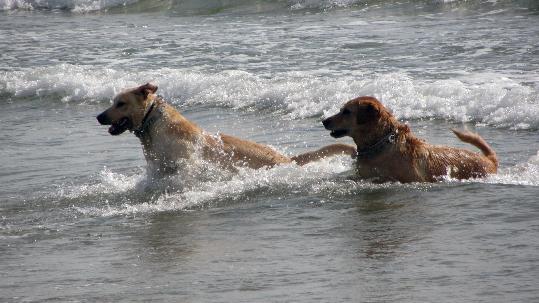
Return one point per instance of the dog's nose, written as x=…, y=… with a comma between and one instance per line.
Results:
x=326, y=122
x=103, y=119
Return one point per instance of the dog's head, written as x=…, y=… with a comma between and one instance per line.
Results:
x=127, y=110
x=362, y=116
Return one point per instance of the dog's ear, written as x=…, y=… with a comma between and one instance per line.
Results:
x=146, y=89
x=366, y=112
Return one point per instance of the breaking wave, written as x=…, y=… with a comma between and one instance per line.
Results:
x=481, y=98
x=206, y=7
x=185, y=7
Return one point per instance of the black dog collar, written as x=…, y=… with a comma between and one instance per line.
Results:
x=378, y=147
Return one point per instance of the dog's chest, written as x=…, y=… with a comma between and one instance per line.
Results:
x=372, y=170
x=170, y=149
x=386, y=169
x=165, y=150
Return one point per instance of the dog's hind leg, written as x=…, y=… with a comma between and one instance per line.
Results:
x=324, y=152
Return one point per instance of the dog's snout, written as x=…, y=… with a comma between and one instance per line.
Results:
x=103, y=119
x=326, y=122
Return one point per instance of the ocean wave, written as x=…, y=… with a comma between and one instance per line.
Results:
x=195, y=7
x=192, y=7
x=488, y=99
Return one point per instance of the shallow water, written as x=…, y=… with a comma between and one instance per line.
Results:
x=80, y=220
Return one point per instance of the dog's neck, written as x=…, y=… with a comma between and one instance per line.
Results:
x=148, y=118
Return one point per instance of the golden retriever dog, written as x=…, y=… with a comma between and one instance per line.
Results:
x=388, y=151
x=167, y=137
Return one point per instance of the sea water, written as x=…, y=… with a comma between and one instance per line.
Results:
x=80, y=221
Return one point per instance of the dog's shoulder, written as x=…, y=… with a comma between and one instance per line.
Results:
x=173, y=123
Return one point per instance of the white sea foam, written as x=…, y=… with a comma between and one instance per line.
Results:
x=85, y=6
x=75, y=6
x=331, y=4
x=444, y=1
x=322, y=4
x=521, y=174
x=15, y=4
x=490, y=99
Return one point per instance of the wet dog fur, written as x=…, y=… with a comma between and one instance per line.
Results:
x=168, y=137
x=388, y=151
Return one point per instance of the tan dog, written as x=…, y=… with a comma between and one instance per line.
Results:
x=167, y=137
x=388, y=151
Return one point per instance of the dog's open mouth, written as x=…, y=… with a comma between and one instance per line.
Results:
x=120, y=127
x=338, y=133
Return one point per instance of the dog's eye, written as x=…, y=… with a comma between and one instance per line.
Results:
x=346, y=111
x=120, y=104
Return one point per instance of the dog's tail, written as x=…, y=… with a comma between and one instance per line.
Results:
x=477, y=141
x=324, y=152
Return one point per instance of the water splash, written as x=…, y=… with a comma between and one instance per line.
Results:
x=526, y=174
x=133, y=194
x=118, y=195
x=108, y=182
